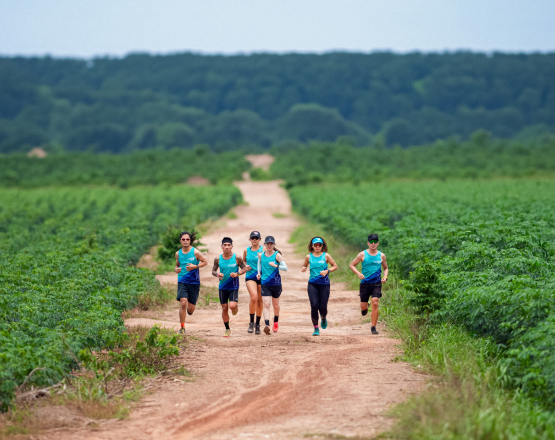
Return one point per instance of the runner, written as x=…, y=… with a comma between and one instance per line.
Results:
x=371, y=277
x=319, y=282
x=268, y=272
x=226, y=268
x=251, y=256
x=188, y=281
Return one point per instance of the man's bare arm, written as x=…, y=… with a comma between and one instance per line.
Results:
x=241, y=265
x=177, y=268
x=385, y=268
x=215, y=271
x=200, y=258
x=357, y=260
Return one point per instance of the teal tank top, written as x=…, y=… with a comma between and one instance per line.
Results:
x=270, y=275
x=372, y=268
x=186, y=276
x=317, y=265
x=252, y=261
x=227, y=267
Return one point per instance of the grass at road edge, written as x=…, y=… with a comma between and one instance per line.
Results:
x=466, y=397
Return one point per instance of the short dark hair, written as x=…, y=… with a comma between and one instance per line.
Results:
x=227, y=240
x=373, y=237
x=311, y=248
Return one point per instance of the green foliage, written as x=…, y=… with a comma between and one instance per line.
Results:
x=140, y=168
x=66, y=266
x=260, y=174
x=471, y=400
x=136, y=358
x=483, y=251
x=481, y=157
x=171, y=243
x=142, y=101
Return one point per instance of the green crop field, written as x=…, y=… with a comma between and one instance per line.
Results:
x=480, y=254
x=66, y=268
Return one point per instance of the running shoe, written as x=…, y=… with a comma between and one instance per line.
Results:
x=324, y=324
x=374, y=331
x=227, y=333
x=234, y=312
x=257, y=329
x=182, y=331
x=267, y=329
x=316, y=332
x=276, y=327
x=251, y=327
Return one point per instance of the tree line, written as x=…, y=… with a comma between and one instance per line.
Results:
x=144, y=101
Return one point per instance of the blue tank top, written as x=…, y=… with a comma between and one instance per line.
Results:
x=186, y=276
x=372, y=268
x=227, y=267
x=252, y=261
x=270, y=275
x=317, y=265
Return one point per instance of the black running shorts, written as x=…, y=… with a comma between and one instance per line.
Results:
x=229, y=295
x=188, y=291
x=368, y=290
x=273, y=291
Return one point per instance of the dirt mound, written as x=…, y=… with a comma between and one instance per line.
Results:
x=260, y=160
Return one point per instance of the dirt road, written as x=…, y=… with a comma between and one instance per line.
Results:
x=282, y=386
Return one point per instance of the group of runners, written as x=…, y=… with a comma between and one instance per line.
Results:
x=262, y=263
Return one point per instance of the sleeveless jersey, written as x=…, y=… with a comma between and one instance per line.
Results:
x=252, y=261
x=372, y=268
x=317, y=265
x=270, y=275
x=227, y=267
x=186, y=276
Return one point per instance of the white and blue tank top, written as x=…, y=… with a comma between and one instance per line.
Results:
x=252, y=261
x=227, y=267
x=188, y=276
x=270, y=275
x=372, y=268
x=317, y=265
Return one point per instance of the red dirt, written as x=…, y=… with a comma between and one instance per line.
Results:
x=283, y=386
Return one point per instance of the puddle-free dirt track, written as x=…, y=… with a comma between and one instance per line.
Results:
x=287, y=385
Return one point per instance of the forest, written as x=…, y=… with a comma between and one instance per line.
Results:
x=257, y=101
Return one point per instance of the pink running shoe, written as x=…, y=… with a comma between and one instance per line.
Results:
x=276, y=327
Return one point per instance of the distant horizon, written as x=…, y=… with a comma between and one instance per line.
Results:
x=246, y=54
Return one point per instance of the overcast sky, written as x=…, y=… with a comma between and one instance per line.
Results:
x=88, y=28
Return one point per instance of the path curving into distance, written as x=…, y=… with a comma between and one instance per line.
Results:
x=282, y=386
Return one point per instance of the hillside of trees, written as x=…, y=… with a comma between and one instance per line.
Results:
x=143, y=101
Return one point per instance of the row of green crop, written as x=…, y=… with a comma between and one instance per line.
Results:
x=139, y=168
x=480, y=157
x=480, y=254
x=66, y=269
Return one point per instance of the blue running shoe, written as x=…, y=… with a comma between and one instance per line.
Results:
x=324, y=324
x=316, y=332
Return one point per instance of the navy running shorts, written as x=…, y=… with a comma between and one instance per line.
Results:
x=273, y=291
x=259, y=282
x=189, y=292
x=368, y=290
x=229, y=295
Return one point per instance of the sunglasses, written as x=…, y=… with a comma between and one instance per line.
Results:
x=185, y=239
x=255, y=238
x=372, y=241
x=317, y=244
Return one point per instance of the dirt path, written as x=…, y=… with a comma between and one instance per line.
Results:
x=281, y=386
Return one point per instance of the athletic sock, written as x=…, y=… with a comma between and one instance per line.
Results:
x=364, y=312
x=252, y=317
x=226, y=325
x=276, y=318
x=182, y=324
x=315, y=327
x=267, y=321
x=258, y=320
